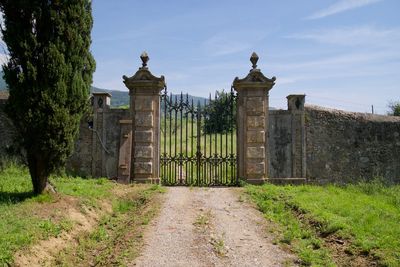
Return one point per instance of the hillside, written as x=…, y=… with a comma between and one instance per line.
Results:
x=119, y=98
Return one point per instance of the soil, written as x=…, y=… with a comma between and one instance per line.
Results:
x=43, y=253
x=209, y=227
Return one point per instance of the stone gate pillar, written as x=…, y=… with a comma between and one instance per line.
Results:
x=252, y=123
x=144, y=90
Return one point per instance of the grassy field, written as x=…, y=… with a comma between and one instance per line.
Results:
x=332, y=225
x=180, y=139
x=26, y=220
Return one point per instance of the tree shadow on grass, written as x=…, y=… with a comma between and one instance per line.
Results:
x=15, y=197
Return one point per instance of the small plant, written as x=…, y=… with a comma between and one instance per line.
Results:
x=202, y=220
x=218, y=244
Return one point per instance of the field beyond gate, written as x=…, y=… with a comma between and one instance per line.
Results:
x=192, y=154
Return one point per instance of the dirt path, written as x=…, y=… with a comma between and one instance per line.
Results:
x=209, y=227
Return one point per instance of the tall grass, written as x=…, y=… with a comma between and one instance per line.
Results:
x=366, y=214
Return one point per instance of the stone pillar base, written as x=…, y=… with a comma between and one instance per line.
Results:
x=287, y=181
x=258, y=181
x=147, y=181
x=123, y=180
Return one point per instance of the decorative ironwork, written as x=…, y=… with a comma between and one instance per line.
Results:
x=189, y=155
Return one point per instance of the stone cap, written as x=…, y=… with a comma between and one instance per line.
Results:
x=353, y=115
x=101, y=100
x=101, y=94
x=143, y=78
x=296, y=102
x=255, y=78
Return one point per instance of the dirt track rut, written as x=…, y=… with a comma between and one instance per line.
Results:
x=209, y=227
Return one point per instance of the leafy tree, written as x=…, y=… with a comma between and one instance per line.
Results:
x=220, y=113
x=48, y=75
x=394, y=108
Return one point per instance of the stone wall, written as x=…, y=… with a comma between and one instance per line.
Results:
x=321, y=144
x=344, y=146
x=280, y=144
x=97, y=148
x=80, y=161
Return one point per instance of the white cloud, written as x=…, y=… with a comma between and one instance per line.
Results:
x=353, y=36
x=227, y=43
x=341, y=6
x=219, y=46
x=340, y=61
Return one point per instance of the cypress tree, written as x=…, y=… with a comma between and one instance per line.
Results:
x=49, y=74
x=220, y=114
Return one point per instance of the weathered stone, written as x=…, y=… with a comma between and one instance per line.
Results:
x=143, y=152
x=255, y=121
x=143, y=103
x=143, y=136
x=255, y=152
x=143, y=167
x=255, y=105
x=255, y=136
x=353, y=145
x=255, y=168
x=144, y=119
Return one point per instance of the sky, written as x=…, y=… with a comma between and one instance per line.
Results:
x=342, y=54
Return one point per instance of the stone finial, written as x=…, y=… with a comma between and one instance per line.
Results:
x=145, y=58
x=255, y=78
x=143, y=77
x=254, y=59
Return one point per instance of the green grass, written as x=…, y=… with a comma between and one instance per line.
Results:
x=177, y=132
x=22, y=219
x=117, y=239
x=180, y=141
x=366, y=214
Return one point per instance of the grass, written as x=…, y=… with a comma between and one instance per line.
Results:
x=180, y=142
x=117, y=239
x=26, y=219
x=365, y=216
x=177, y=132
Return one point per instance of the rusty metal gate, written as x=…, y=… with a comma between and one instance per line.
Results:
x=198, y=140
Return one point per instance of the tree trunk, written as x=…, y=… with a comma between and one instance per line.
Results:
x=39, y=175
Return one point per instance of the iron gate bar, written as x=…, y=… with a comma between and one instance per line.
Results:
x=207, y=165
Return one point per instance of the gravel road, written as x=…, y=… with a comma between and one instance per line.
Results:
x=209, y=227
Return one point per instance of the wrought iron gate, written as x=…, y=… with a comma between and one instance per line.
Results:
x=193, y=150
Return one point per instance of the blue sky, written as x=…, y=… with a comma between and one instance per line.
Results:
x=343, y=54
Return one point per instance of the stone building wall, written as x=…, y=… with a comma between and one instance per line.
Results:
x=280, y=144
x=97, y=147
x=345, y=146
x=80, y=161
x=286, y=141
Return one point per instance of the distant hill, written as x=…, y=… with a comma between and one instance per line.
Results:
x=121, y=98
